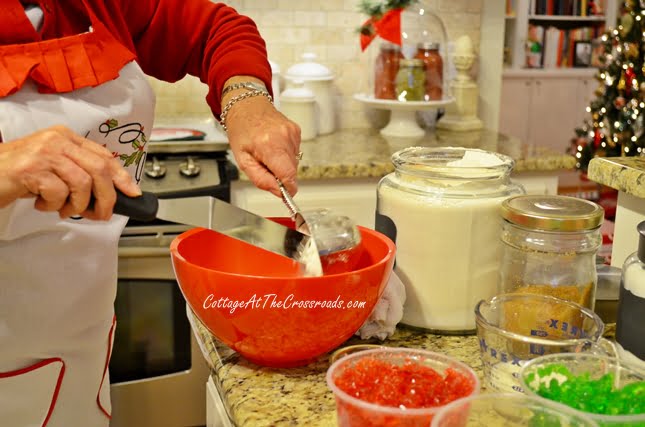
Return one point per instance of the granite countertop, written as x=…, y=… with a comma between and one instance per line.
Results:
x=621, y=173
x=257, y=396
x=361, y=153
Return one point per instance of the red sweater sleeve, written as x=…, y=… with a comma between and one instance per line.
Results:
x=212, y=41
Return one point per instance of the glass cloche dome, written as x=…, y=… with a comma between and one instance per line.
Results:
x=410, y=77
x=420, y=62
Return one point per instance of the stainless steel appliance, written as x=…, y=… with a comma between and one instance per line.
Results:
x=157, y=370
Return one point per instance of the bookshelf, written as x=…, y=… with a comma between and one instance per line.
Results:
x=541, y=35
x=544, y=100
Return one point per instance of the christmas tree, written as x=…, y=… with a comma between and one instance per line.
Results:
x=615, y=127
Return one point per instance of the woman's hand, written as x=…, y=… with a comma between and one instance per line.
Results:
x=62, y=170
x=265, y=143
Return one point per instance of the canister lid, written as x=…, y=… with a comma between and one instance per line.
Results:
x=552, y=213
x=309, y=69
x=297, y=92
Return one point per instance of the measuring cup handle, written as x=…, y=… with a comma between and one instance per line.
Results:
x=603, y=347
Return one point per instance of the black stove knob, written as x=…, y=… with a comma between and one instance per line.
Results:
x=189, y=168
x=156, y=170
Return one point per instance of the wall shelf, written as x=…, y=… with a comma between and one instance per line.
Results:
x=568, y=18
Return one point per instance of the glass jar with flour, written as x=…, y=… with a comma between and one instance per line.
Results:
x=441, y=207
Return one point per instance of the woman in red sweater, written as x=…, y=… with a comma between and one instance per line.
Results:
x=71, y=85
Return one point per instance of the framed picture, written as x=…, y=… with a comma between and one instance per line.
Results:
x=582, y=54
x=597, y=51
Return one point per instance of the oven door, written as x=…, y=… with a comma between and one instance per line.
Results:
x=157, y=370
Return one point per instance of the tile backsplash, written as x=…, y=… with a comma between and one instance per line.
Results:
x=327, y=28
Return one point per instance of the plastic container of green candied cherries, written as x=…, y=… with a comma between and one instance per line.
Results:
x=606, y=389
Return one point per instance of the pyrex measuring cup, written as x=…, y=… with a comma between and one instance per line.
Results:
x=515, y=328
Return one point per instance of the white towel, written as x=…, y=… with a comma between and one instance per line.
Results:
x=387, y=313
x=628, y=356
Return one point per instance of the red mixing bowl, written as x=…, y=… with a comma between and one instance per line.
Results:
x=256, y=303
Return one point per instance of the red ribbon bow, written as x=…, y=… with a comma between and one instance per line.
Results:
x=388, y=27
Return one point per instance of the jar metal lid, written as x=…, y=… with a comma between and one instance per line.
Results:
x=552, y=213
x=411, y=62
x=390, y=46
x=428, y=46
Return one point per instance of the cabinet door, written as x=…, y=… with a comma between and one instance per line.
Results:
x=586, y=87
x=216, y=415
x=355, y=198
x=514, y=108
x=553, y=113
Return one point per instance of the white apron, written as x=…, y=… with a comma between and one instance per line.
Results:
x=58, y=277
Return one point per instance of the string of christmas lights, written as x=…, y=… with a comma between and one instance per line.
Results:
x=615, y=127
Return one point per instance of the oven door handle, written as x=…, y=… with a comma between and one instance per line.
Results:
x=143, y=252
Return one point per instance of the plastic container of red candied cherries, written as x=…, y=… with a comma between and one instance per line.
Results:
x=397, y=386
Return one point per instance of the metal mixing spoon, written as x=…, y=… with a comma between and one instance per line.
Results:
x=336, y=237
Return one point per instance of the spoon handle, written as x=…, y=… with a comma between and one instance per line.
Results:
x=301, y=224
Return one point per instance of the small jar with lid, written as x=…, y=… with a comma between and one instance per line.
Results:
x=433, y=62
x=410, y=80
x=550, y=246
x=386, y=67
x=299, y=105
x=441, y=208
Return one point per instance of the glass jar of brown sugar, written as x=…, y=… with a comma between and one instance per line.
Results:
x=550, y=245
x=429, y=54
x=386, y=67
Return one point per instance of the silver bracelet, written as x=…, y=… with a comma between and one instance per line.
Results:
x=240, y=97
x=243, y=85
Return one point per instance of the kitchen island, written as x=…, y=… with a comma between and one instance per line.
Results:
x=340, y=171
x=255, y=396
x=627, y=175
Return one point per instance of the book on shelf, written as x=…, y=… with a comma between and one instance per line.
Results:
x=553, y=47
x=582, y=8
x=510, y=7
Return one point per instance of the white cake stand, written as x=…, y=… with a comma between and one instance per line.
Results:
x=403, y=122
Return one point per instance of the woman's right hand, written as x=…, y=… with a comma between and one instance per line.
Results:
x=62, y=170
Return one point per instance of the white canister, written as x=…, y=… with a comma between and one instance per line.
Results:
x=319, y=79
x=441, y=208
x=275, y=83
x=298, y=103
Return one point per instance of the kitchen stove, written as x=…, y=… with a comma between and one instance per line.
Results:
x=157, y=370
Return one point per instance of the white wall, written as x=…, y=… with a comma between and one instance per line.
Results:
x=327, y=28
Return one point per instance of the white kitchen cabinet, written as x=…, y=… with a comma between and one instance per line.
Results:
x=355, y=198
x=554, y=107
x=586, y=87
x=216, y=415
x=515, y=108
x=544, y=109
